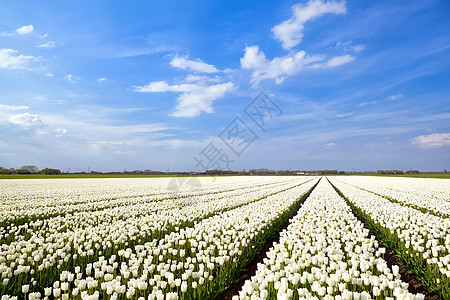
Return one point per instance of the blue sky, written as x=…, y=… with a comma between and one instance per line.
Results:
x=124, y=85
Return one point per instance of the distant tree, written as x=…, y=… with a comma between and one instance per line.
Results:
x=390, y=172
x=243, y=172
x=48, y=171
x=328, y=172
x=213, y=172
x=31, y=169
x=20, y=171
x=4, y=171
x=412, y=171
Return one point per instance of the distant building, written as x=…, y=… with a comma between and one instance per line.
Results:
x=31, y=169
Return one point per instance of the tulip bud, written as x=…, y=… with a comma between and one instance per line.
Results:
x=25, y=288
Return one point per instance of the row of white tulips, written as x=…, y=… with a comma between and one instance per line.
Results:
x=192, y=262
x=421, y=240
x=325, y=253
x=66, y=241
x=137, y=244
x=42, y=198
x=431, y=195
x=422, y=187
x=426, y=234
x=95, y=212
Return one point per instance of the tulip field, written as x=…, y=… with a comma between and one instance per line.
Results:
x=140, y=238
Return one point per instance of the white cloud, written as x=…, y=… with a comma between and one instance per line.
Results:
x=25, y=119
x=329, y=145
x=394, y=97
x=143, y=51
x=162, y=86
x=193, y=78
x=433, y=140
x=9, y=59
x=253, y=58
x=202, y=79
x=344, y=115
x=193, y=103
x=13, y=107
x=358, y=48
x=107, y=142
x=49, y=74
x=291, y=64
x=290, y=32
x=366, y=103
x=193, y=65
x=195, y=98
x=278, y=68
x=102, y=79
x=339, y=61
x=334, y=62
x=43, y=36
x=49, y=44
x=347, y=46
x=26, y=29
x=7, y=111
x=71, y=78
x=198, y=92
x=59, y=132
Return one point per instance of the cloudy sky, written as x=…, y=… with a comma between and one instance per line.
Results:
x=124, y=85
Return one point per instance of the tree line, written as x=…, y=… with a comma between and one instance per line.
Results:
x=30, y=170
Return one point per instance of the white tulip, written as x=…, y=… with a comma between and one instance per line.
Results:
x=25, y=288
x=56, y=292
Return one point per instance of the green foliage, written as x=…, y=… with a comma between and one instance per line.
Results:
x=5, y=171
x=48, y=171
x=19, y=171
